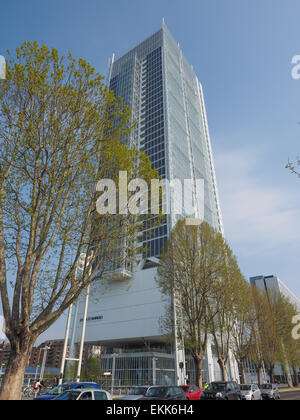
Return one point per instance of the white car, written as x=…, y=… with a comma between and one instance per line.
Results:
x=84, y=394
x=269, y=392
x=250, y=392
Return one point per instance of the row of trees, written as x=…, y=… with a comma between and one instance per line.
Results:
x=201, y=279
x=58, y=121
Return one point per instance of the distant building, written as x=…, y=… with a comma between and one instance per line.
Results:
x=274, y=284
x=36, y=358
x=54, y=354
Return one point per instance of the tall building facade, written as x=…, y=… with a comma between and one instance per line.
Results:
x=272, y=284
x=166, y=99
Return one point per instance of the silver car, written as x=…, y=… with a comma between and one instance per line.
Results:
x=269, y=392
x=250, y=392
x=84, y=394
x=136, y=394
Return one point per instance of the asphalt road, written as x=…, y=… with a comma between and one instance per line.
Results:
x=290, y=395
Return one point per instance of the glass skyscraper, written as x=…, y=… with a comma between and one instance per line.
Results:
x=167, y=102
x=165, y=96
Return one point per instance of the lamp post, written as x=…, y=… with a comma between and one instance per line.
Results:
x=154, y=360
x=83, y=333
x=46, y=348
x=113, y=374
x=36, y=372
x=80, y=265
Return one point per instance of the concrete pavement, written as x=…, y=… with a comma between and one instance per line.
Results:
x=290, y=394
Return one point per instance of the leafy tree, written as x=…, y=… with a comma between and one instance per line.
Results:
x=91, y=370
x=226, y=305
x=283, y=312
x=257, y=320
x=60, y=132
x=294, y=167
x=292, y=353
x=188, y=274
x=242, y=333
x=70, y=372
x=271, y=332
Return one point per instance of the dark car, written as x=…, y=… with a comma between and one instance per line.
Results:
x=59, y=389
x=165, y=393
x=222, y=391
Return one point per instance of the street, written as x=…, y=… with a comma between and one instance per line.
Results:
x=290, y=395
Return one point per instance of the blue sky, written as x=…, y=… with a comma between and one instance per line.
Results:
x=241, y=51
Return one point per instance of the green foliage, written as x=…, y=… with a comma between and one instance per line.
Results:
x=200, y=278
x=270, y=331
x=91, y=370
x=61, y=130
x=293, y=167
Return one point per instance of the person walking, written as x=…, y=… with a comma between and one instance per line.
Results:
x=55, y=381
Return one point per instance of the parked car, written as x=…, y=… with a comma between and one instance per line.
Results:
x=59, y=389
x=250, y=392
x=193, y=392
x=269, y=392
x=222, y=391
x=136, y=394
x=84, y=394
x=165, y=393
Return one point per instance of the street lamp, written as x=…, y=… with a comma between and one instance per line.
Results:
x=36, y=372
x=80, y=265
x=46, y=348
x=154, y=360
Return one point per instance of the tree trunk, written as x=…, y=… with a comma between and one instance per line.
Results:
x=198, y=363
x=223, y=368
x=258, y=371
x=295, y=371
x=14, y=373
x=243, y=373
x=286, y=370
x=271, y=374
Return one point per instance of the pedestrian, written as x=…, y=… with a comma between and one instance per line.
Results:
x=38, y=386
x=55, y=381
